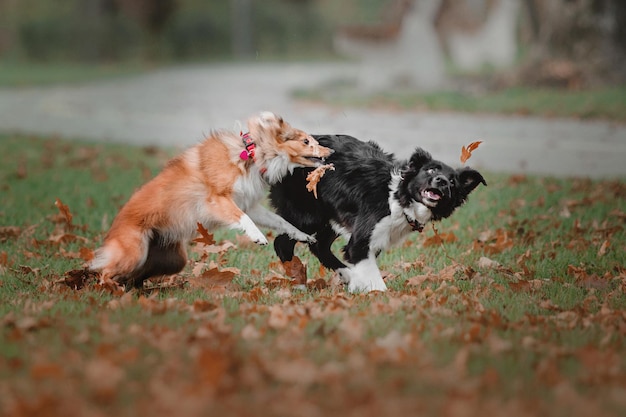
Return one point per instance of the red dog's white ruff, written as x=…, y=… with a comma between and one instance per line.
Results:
x=212, y=184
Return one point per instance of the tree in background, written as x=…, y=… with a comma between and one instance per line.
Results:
x=576, y=42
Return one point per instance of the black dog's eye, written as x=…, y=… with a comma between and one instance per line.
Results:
x=431, y=171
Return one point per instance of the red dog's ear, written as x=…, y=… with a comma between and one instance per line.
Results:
x=470, y=178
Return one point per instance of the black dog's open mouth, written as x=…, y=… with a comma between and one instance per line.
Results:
x=431, y=196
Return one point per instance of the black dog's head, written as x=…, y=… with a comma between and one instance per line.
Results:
x=436, y=185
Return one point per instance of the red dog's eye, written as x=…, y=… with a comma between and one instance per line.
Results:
x=306, y=141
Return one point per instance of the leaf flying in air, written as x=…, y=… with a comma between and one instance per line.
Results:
x=205, y=236
x=466, y=152
x=315, y=176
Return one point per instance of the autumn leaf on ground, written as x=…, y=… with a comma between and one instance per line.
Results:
x=439, y=239
x=214, y=278
x=316, y=175
x=9, y=232
x=65, y=215
x=296, y=270
x=78, y=278
x=205, y=237
x=466, y=151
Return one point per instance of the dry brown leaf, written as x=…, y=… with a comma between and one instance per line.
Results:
x=439, y=239
x=278, y=318
x=214, y=278
x=66, y=215
x=9, y=232
x=316, y=175
x=295, y=269
x=205, y=237
x=487, y=263
x=604, y=248
x=466, y=151
x=78, y=278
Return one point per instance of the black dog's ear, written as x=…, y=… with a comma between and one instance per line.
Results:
x=470, y=178
x=419, y=158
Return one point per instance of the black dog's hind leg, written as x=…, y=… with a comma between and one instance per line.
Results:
x=321, y=248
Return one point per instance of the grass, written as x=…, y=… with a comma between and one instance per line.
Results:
x=539, y=333
x=602, y=103
x=20, y=74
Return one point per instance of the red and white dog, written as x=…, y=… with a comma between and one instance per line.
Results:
x=219, y=182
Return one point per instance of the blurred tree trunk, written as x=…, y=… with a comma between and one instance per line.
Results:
x=153, y=16
x=8, y=25
x=577, y=42
x=241, y=23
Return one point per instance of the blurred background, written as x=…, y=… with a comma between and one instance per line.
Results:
x=541, y=82
x=559, y=43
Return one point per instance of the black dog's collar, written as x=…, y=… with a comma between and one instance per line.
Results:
x=415, y=225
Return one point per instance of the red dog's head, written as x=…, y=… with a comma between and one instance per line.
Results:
x=278, y=138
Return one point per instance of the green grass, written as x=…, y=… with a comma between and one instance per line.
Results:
x=603, y=103
x=14, y=74
x=540, y=334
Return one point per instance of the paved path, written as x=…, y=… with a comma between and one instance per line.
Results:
x=176, y=107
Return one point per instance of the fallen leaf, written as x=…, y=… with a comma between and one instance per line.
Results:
x=316, y=175
x=46, y=371
x=77, y=278
x=103, y=378
x=278, y=319
x=300, y=371
x=214, y=278
x=487, y=263
x=275, y=282
x=296, y=270
x=66, y=215
x=604, y=248
x=466, y=152
x=318, y=284
x=63, y=237
x=205, y=237
x=9, y=232
x=439, y=239
x=201, y=306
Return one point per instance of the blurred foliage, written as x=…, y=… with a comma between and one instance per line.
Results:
x=114, y=30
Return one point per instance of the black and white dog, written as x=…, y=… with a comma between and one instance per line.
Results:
x=370, y=198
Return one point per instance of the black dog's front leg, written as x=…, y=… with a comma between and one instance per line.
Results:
x=321, y=248
x=284, y=247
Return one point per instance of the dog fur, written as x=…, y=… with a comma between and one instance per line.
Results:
x=370, y=198
x=219, y=182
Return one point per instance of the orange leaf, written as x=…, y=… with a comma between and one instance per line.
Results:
x=9, y=232
x=466, y=152
x=315, y=176
x=296, y=270
x=440, y=239
x=205, y=237
x=214, y=279
x=65, y=212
